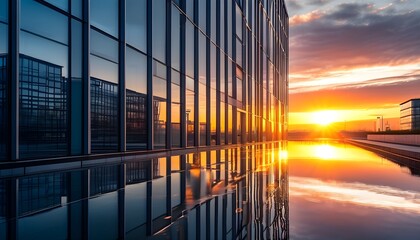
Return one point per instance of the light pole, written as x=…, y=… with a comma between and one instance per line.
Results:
x=381, y=118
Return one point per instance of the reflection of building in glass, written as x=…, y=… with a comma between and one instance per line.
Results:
x=104, y=118
x=3, y=105
x=410, y=115
x=136, y=120
x=43, y=109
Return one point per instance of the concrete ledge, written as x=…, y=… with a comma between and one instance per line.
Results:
x=408, y=139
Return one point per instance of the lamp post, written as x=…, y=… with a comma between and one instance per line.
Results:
x=381, y=118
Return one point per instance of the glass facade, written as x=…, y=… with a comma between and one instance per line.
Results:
x=109, y=76
x=410, y=115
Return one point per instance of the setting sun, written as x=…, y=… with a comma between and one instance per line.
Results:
x=324, y=117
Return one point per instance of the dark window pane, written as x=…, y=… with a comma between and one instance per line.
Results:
x=189, y=49
x=136, y=101
x=3, y=80
x=104, y=57
x=76, y=8
x=159, y=29
x=43, y=96
x=175, y=38
x=136, y=71
x=104, y=115
x=3, y=96
x=3, y=11
x=202, y=14
x=136, y=24
x=104, y=15
x=136, y=123
x=76, y=88
x=38, y=19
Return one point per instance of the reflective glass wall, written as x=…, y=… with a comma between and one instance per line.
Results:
x=110, y=76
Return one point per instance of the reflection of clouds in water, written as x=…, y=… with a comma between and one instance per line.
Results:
x=356, y=193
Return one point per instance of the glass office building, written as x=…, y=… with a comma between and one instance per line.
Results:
x=127, y=119
x=83, y=77
x=410, y=115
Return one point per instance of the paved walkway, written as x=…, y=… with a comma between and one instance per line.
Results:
x=402, y=147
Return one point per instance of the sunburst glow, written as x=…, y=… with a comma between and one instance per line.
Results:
x=324, y=117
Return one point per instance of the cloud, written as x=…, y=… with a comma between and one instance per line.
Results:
x=370, y=96
x=305, y=18
x=294, y=5
x=361, y=194
x=352, y=36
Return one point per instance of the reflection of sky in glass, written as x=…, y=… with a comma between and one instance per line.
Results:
x=3, y=38
x=338, y=191
x=3, y=10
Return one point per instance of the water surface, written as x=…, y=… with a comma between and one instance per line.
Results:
x=339, y=191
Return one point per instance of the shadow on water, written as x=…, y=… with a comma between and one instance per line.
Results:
x=236, y=193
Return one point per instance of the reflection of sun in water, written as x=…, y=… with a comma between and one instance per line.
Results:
x=324, y=118
x=325, y=151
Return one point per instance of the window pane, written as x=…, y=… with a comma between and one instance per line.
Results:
x=103, y=46
x=175, y=38
x=104, y=57
x=159, y=122
x=104, y=15
x=202, y=14
x=136, y=123
x=203, y=113
x=3, y=11
x=63, y=4
x=136, y=24
x=136, y=71
x=76, y=8
x=43, y=84
x=176, y=125
x=159, y=29
x=104, y=115
x=202, y=64
x=76, y=88
x=39, y=19
x=3, y=80
x=189, y=110
x=189, y=49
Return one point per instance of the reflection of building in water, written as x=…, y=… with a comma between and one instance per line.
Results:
x=224, y=194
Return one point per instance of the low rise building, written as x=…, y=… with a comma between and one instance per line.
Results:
x=410, y=114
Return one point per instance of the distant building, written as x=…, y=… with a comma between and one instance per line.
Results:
x=410, y=114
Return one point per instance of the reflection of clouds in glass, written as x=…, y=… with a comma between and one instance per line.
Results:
x=356, y=193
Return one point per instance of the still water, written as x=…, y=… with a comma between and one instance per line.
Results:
x=231, y=193
x=339, y=191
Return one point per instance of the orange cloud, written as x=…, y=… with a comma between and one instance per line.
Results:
x=305, y=18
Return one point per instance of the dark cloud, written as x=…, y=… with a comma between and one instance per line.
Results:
x=355, y=35
x=294, y=5
x=318, y=2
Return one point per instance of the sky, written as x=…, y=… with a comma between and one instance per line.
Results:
x=357, y=59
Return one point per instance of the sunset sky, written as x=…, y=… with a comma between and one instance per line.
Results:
x=357, y=59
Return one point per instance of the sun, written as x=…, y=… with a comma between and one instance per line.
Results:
x=324, y=118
